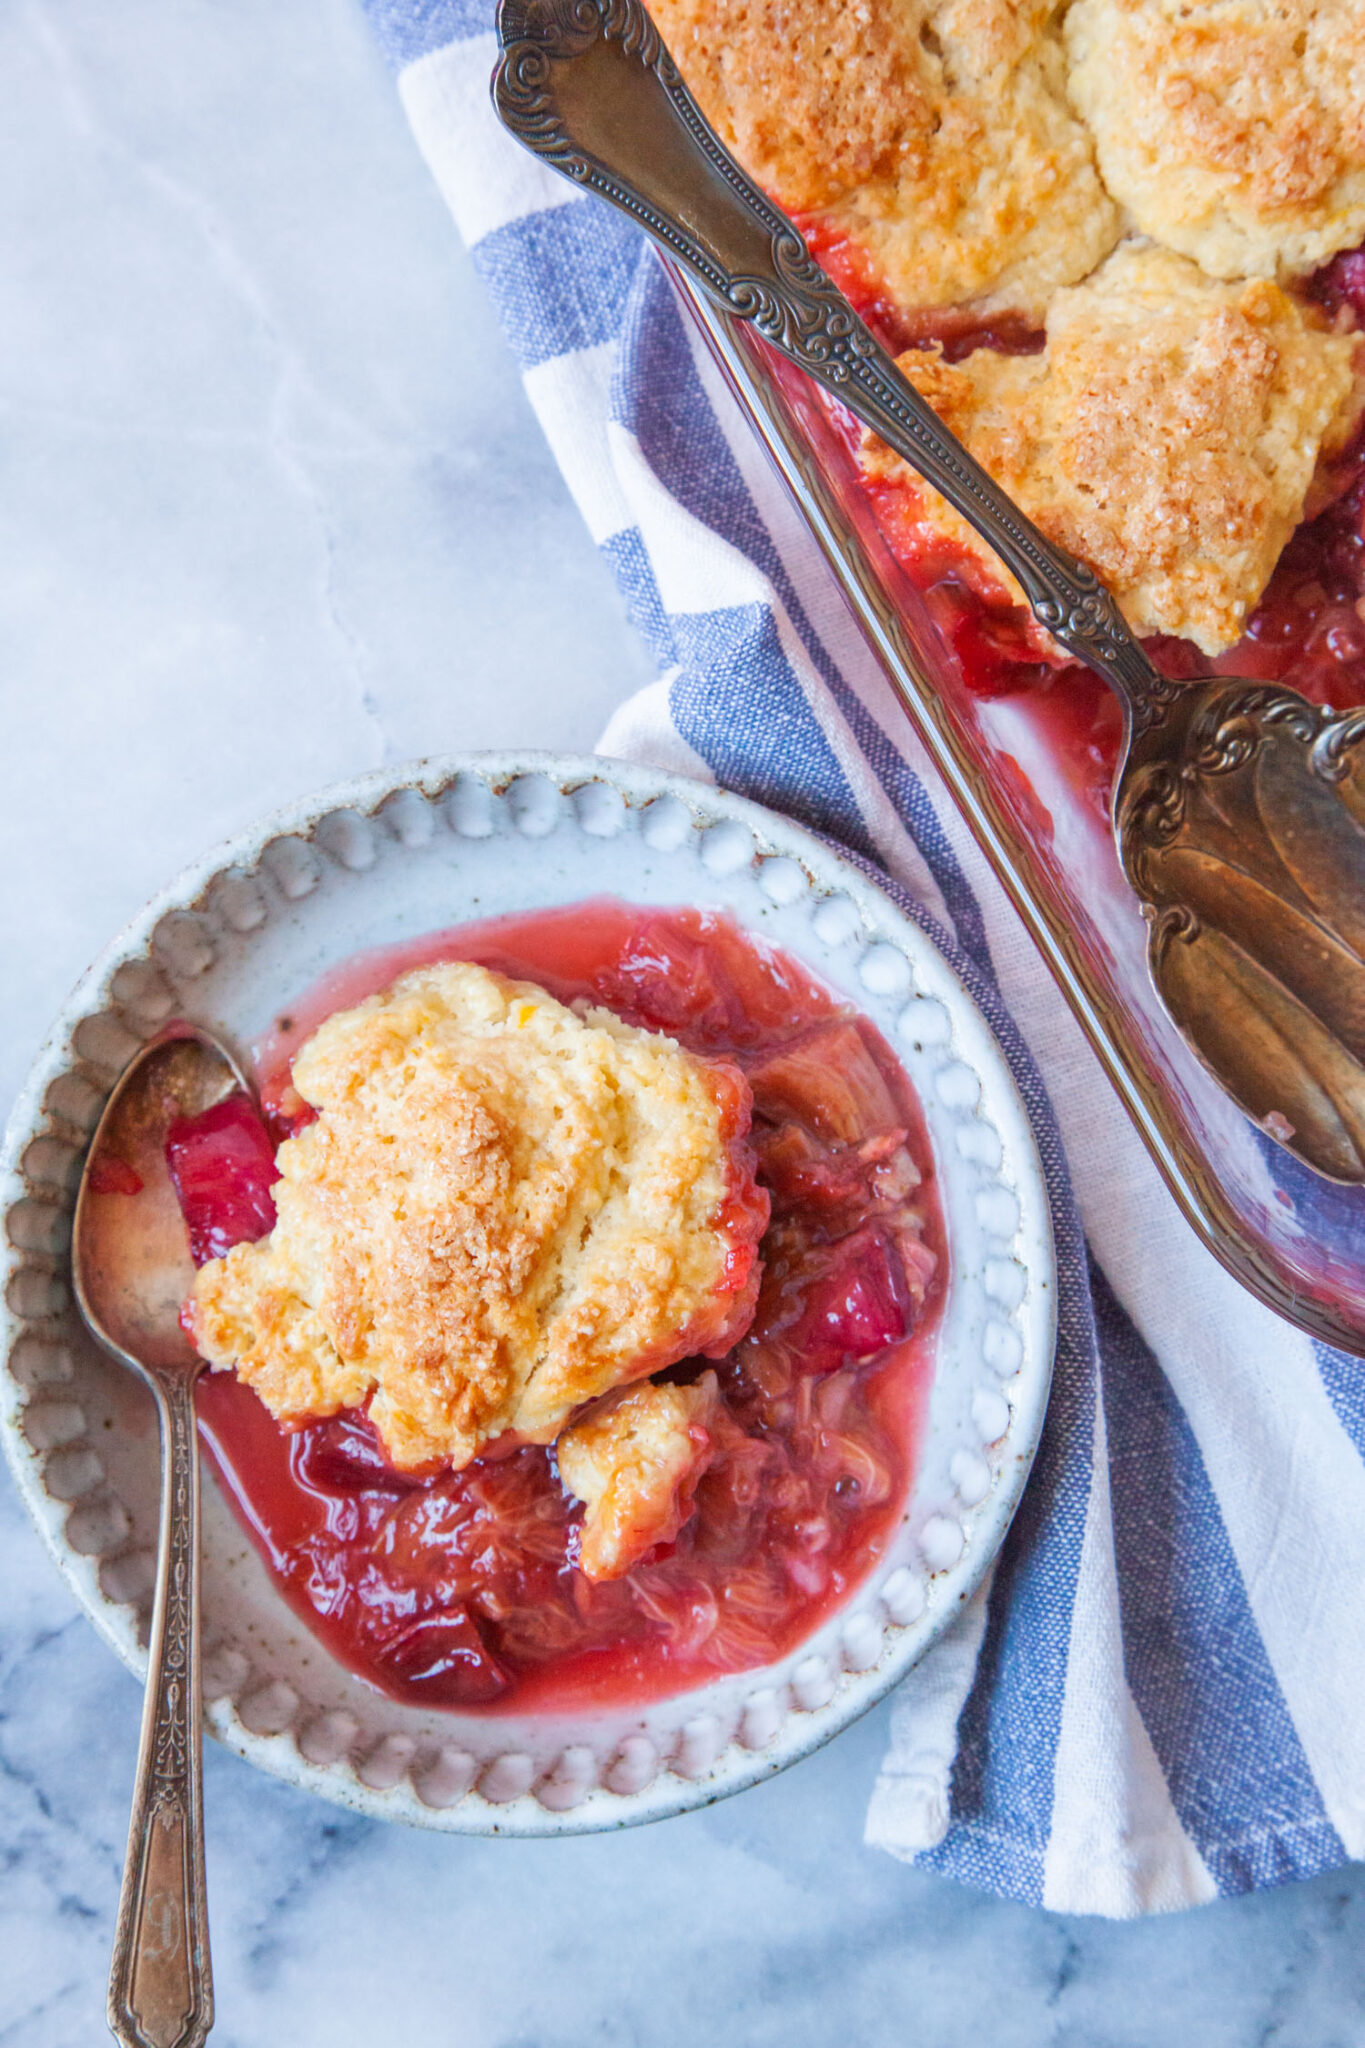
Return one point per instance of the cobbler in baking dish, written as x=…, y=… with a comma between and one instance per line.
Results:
x=573, y=1317
x=1114, y=243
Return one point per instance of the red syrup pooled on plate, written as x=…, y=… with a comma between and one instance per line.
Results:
x=461, y=1590
x=1307, y=631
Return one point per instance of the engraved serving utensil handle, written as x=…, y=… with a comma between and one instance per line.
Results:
x=589, y=87
x=160, y=1981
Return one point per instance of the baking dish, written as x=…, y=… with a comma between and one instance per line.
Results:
x=1295, y=1240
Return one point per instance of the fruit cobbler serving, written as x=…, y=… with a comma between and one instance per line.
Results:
x=1117, y=245
x=570, y=1301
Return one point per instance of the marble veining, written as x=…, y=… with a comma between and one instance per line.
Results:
x=269, y=484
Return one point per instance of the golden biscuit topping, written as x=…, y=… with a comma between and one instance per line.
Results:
x=1231, y=130
x=1168, y=435
x=815, y=99
x=635, y=1460
x=976, y=158
x=502, y=1211
x=937, y=132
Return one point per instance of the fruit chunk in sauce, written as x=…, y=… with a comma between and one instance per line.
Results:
x=462, y=1589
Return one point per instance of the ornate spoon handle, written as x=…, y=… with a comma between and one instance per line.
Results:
x=160, y=1981
x=589, y=86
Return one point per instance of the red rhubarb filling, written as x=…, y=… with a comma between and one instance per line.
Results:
x=463, y=1589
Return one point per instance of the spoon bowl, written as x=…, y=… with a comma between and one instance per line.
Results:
x=131, y=1271
x=131, y=1262
x=1240, y=814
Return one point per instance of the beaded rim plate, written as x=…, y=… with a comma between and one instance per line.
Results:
x=417, y=849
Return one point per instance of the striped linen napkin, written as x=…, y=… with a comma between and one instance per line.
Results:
x=1159, y=1698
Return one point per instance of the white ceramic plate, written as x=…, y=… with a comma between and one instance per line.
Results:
x=418, y=849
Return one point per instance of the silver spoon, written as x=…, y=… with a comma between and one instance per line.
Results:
x=1239, y=807
x=132, y=1271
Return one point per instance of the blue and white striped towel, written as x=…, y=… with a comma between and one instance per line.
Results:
x=1162, y=1697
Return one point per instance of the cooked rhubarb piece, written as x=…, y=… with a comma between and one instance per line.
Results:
x=223, y=1166
x=444, y=1659
x=803, y=1173
x=840, y=1303
x=828, y=1081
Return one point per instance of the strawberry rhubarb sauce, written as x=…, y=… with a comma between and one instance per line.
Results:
x=462, y=1589
x=1308, y=631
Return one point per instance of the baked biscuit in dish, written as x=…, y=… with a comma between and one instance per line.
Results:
x=502, y=1211
x=935, y=132
x=1169, y=435
x=635, y=1460
x=1231, y=130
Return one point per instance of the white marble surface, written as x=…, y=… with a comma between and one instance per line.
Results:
x=272, y=509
